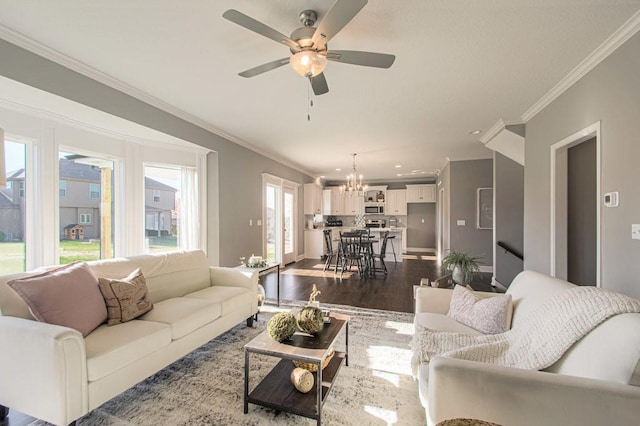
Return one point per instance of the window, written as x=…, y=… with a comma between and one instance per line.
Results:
x=86, y=227
x=162, y=215
x=13, y=210
x=94, y=191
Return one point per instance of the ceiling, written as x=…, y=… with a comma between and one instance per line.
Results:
x=461, y=65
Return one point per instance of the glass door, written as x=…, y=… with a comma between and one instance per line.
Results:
x=273, y=223
x=289, y=229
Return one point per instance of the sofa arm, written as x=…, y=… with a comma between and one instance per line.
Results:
x=433, y=300
x=43, y=370
x=233, y=277
x=510, y=396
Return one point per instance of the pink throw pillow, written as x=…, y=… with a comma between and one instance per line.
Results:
x=67, y=296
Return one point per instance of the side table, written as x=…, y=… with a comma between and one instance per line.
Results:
x=272, y=266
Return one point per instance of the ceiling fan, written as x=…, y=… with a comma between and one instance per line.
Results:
x=308, y=44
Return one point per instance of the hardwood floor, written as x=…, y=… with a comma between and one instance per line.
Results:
x=393, y=292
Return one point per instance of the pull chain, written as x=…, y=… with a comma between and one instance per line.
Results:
x=310, y=101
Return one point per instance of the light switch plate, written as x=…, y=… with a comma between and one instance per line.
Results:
x=611, y=199
x=635, y=231
x=461, y=222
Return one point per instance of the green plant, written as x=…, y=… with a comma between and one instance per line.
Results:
x=310, y=320
x=465, y=264
x=282, y=326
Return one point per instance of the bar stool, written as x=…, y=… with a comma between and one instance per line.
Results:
x=393, y=248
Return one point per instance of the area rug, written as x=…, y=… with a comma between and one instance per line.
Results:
x=206, y=386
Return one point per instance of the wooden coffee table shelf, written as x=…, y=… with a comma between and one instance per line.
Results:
x=276, y=390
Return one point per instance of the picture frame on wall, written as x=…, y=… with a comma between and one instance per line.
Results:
x=484, y=208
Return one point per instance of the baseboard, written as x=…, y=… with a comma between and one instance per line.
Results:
x=300, y=257
x=420, y=249
x=486, y=268
x=498, y=284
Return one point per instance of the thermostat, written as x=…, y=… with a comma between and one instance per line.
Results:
x=611, y=199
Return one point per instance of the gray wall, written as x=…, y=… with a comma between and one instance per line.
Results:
x=419, y=234
x=465, y=178
x=610, y=94
x=509, y=213
x=238, y=196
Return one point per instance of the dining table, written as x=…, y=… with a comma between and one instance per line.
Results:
x=366, y=244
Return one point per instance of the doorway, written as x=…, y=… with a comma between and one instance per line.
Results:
x=280, y=207
x=575, y=207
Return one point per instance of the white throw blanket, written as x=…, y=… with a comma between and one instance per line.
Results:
x=539, y=341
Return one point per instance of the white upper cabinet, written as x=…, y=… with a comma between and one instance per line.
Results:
x=312, y=198
x=396, y=202
x=353, y=204
x=421, y=193
x=337, y=201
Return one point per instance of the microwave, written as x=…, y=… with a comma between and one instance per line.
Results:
x=373, y=209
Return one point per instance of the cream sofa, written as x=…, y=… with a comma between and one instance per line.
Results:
x=53, y=373
x=594, y=383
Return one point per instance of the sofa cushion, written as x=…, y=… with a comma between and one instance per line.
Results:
x=231, y=298
x=163, y=272
x=611, y=352
x=489, y=315
x=112, y=348
x=442, y=322
x=67, y=296
x=183, y=314
x=126, y=298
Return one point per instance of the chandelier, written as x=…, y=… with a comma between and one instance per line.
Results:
x=354, y=181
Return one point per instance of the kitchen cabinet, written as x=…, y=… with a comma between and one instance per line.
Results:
x=313, y=243
x=332, y=201
x=421, y=193
x=353, y=204
x=396, y=202
x=312, y=198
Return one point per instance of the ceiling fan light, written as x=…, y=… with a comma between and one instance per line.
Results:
x=308, y=63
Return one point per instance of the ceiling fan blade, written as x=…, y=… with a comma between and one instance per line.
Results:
x=319, y=84
x=336, y=18
x=264, y=68
x=367, y=59
x=258, y=27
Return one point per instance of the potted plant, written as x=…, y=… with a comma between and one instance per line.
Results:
x=461, y=265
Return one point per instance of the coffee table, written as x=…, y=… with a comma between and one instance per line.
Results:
x=276, y=390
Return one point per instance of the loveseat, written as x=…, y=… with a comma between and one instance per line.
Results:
x=53, y=373
x=595, y=382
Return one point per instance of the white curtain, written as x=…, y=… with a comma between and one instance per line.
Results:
x=3, y=171
x=189, y=229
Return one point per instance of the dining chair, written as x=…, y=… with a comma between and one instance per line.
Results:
x=350, y=251
x=380, y=255
x=328, y=249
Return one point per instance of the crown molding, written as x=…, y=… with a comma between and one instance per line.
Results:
x=619, y=37
x=499, y=126
x=66, y=61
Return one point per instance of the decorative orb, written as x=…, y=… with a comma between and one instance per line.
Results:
x=310, y=320
x=261, y=295
x=281, y=326
x=302, y=379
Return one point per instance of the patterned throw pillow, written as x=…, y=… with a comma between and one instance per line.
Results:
x=66, y=296
x=126, y=298
x=490, y=315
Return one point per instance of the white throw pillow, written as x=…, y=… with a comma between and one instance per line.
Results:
x=489, y=315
